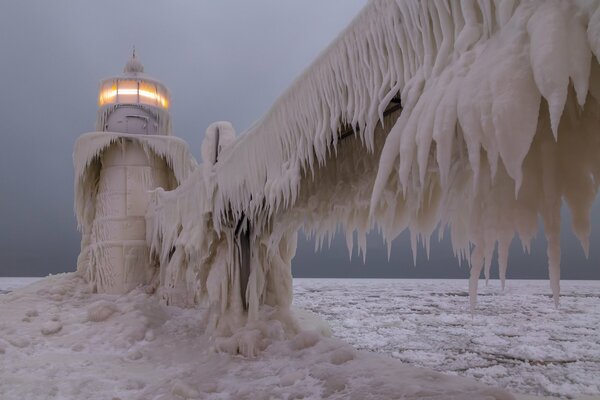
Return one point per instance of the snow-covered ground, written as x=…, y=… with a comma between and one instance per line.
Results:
x=517, y=339
x=59, y=341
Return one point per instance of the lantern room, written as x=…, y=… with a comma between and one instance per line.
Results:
x=133, y=91
x=134, y=103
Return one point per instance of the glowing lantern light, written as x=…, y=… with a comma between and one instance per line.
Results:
x=134, y=103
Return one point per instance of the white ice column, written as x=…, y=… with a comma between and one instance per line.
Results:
x=119, y=254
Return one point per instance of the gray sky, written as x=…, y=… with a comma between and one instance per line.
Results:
x=221, y=60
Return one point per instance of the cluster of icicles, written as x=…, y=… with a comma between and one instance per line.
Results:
x=500, y=123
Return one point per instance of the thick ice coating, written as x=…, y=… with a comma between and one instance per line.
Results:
x=481, y=117
x=114, y=174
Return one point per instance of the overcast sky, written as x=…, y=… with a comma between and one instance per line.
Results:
x=221, y=60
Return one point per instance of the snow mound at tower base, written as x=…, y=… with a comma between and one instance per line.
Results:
x=59, y=340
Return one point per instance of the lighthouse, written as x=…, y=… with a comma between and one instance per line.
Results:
x=131, y=153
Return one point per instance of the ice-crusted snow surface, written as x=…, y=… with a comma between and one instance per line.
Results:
x=60, y=341
x=517, y=339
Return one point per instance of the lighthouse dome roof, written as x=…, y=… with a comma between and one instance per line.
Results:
x=133, y=66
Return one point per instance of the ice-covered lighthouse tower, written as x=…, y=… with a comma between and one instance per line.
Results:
x=131, y=153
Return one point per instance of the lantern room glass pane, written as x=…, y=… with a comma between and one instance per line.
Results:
x=127, y=91
x=108, y=93
x=163, y=97
x=148, y=94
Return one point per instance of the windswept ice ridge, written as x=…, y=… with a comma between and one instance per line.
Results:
x=499, y=125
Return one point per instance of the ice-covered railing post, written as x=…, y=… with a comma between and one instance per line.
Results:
x=242, y=231
x=131, y=153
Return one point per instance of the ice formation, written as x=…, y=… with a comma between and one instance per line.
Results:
x=114, y=172
x=479, y=117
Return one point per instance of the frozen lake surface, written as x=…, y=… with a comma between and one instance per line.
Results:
x=8, y=284
x=516, y=339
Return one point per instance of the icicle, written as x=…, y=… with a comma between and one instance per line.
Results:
x=486, y=270
x=349, y=242
x=413, y=246
x=503, y=246
x=580, y=58
x=549, y=58
x=593, y=32
x=476, y=267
